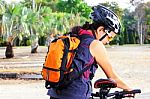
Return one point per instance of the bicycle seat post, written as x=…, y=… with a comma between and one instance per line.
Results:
x=103, y=93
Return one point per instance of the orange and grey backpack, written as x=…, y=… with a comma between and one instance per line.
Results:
x=57, y=66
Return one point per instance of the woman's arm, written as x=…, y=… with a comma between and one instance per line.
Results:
x=98, y=50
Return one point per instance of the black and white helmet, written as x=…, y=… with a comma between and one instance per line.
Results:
x=103, y=15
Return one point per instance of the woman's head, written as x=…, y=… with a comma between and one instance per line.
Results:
x=103, y=16
x=106, y=23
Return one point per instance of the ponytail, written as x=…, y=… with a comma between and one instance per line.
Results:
x=75, y=30
x=87, y=26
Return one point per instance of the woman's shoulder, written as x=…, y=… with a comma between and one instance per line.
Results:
x=96, y=44
x=96, y=47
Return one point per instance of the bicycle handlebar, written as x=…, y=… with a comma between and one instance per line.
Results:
x=124, y=94
x=119, y=94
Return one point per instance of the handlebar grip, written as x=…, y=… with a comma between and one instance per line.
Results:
x=136, y=91
x=132, y=91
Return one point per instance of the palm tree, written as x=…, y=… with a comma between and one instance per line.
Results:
x=10, y=26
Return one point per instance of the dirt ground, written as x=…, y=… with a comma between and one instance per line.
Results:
x=132, y=63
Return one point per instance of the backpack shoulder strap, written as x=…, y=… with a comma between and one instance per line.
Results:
x=66, y=50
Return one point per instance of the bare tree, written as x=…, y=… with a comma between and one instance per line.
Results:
x=140, y=15
x=136, y=2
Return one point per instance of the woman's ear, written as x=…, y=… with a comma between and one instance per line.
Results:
x=98, y=30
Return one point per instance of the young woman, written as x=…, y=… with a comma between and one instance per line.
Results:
x=91, y=51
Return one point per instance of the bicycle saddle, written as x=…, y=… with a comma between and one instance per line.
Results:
x=105, y=83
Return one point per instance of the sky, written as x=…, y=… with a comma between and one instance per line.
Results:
x=10, y=1
x=122, y=3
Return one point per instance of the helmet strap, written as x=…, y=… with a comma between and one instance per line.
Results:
x=103, y=37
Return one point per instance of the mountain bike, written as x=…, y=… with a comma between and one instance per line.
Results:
x=105, y=85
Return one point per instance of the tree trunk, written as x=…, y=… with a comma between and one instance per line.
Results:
x=9, y=51
x=34, y=47
x=141, y=35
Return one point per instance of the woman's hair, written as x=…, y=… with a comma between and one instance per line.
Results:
x=75, y=30
x=87, y=26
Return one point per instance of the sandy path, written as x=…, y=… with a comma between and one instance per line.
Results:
x=132, y=63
